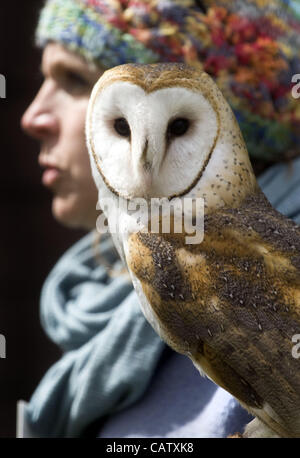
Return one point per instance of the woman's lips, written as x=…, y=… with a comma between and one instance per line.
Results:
x=50, y=176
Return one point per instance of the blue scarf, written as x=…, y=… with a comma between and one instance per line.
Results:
x=110, y=351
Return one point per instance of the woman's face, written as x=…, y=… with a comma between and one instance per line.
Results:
x=56, y=118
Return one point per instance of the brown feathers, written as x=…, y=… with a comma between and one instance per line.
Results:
x=232, y=303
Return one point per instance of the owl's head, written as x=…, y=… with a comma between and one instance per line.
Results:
x=164, y=130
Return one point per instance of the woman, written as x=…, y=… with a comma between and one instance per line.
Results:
x=115, y=374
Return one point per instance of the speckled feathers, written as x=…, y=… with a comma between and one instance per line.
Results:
x=232, y=303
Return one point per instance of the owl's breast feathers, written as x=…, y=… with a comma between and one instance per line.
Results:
x=232, y=303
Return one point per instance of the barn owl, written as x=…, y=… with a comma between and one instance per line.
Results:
x=231, y=302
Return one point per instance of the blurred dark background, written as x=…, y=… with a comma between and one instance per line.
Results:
x=30, y=239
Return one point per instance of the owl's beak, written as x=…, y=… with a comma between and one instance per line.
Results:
x=145, y=160
x=144, y=168
x=146, y=164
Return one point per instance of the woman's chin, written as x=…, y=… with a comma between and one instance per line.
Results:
x=73, y=212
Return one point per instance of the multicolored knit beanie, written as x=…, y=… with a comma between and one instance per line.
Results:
x=250, y=47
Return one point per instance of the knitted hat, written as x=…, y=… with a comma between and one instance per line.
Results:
x=250, y=47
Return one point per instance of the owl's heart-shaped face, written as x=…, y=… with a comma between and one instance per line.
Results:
x=147, y=143
x=165, y=131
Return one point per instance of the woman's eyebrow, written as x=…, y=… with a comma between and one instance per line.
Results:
x=60, y=65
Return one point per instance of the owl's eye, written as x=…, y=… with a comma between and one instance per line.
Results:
x=178, y=127
x=121, y=126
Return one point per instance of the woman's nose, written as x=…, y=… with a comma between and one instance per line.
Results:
x=40, y=120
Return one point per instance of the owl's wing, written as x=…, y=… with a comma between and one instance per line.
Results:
x=232, y=303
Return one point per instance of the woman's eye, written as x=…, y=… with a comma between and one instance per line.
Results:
x=121, y=126
x=75, y=82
